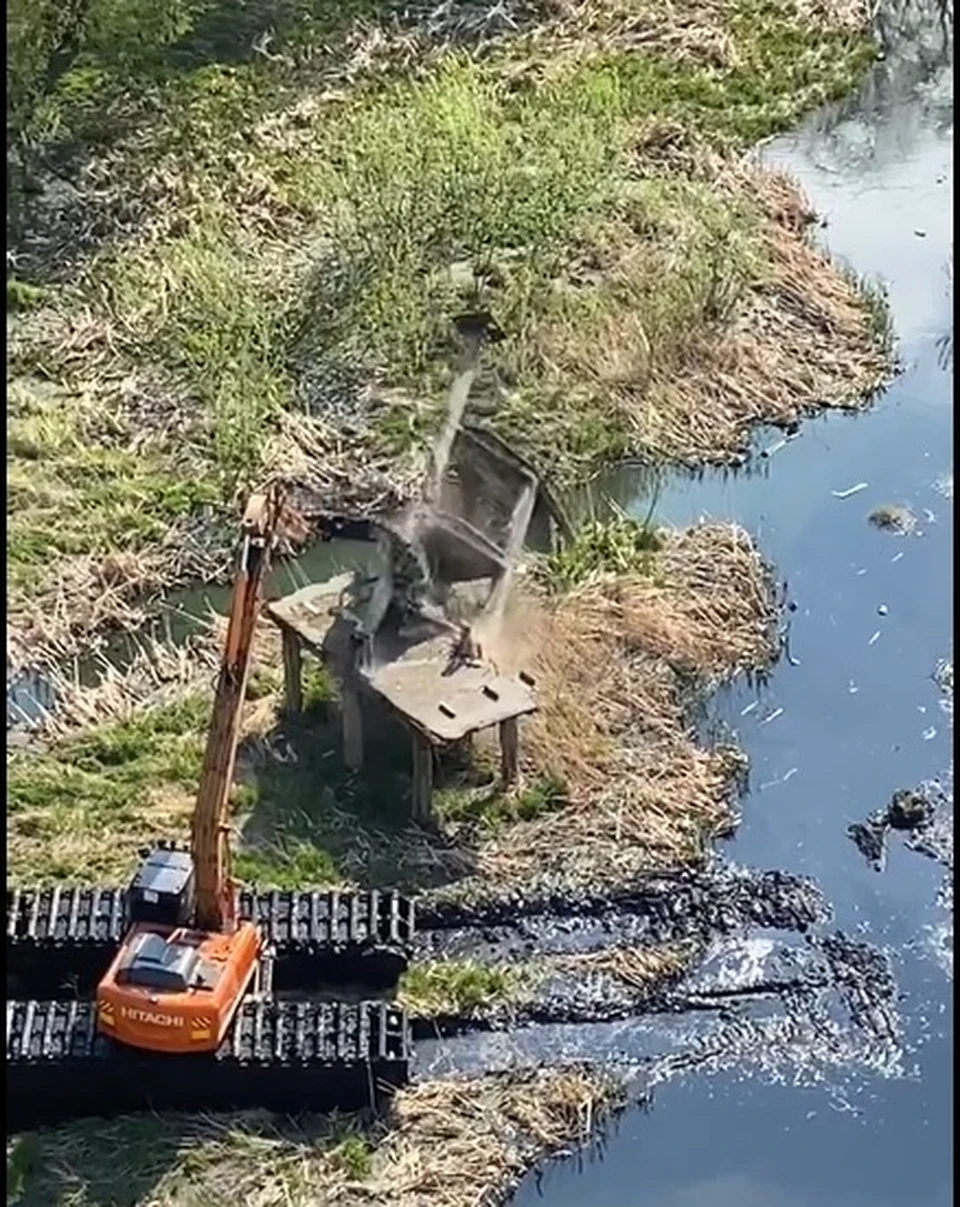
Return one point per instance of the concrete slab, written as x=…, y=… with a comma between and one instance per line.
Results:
x=308, y=612
x=448, y=707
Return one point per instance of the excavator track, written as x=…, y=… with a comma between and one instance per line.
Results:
x=286, y=1056
x=63, y=937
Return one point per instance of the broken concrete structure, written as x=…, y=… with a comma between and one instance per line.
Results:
x=405, y=636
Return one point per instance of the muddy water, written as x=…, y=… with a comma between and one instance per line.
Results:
x=852, y=716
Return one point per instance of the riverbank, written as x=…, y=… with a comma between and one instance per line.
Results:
x=445, y=1144
x=575, y=169
x=621, y=633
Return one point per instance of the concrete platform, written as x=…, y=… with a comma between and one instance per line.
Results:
x=310, y=612
x=448, y=707
x=437, y=702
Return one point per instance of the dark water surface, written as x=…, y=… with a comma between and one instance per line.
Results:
x=861, y=715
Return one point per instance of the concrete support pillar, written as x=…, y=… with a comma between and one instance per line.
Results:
x=351, y=715
x=422, y=778
x=509, y=752
x=292, y=668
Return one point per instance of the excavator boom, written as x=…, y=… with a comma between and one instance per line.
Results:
x=215, y=906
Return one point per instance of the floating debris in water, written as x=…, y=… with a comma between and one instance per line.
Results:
x=772, y=716
x=874, y=638
x=892, y=518
x=869, y=837
x=944, y=485
x=851, y=490
x=909, y=811
x=783, y=779
x=882, y=610
x=778, y=445
x=943, y=678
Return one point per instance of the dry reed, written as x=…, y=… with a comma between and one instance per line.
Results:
x=614, y=661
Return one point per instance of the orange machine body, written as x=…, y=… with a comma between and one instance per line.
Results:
x=172, y=989
x=186, y=962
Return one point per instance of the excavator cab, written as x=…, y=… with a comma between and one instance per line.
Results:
x=172, y=988
x=186, y=962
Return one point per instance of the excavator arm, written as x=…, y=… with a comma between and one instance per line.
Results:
x=215, y=896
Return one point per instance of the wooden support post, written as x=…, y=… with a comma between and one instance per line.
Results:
x=509, y=752
x=422, y=778
x=351, y=715
x=292, y=666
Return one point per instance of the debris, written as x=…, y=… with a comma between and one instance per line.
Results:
x=874, y=638
x=882, y=610
x=778, y=444
x=783, y=779
x=920, y=232
x=908, y=811
x=852, y=490
x=869, y=837
x=772, y=717
x=893, y=518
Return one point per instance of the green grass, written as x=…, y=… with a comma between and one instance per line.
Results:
x=174, y=1159
x=457, y=987
x=82, y=808
x=286, y=864
x=491, y=809
x=326, y=240
x=620, y=545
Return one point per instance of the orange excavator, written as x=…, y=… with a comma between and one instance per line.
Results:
x=186, y=960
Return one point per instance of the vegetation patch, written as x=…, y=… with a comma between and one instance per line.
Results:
x=449, y=1143
x=468, y=989
x=81, y=809
x=239, y=237
x=640, y=969
x=616, y=659
x=458, y=988
x=893, y=518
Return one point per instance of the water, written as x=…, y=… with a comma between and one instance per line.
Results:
x=861, y=715
x=181, y=615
